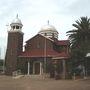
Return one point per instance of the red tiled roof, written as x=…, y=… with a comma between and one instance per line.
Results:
x=62, y=42
x=41, y=53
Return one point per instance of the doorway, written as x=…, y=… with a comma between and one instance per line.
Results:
x=36, y=68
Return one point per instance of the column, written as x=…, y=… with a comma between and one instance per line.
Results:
x=28, y=68
x=41, y=68
x=64, y=68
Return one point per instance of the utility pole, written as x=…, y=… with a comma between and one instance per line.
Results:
x=45, y=56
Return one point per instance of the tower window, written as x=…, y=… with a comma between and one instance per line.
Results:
x=17, y=27
x=13, y=27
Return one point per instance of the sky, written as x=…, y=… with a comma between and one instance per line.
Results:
x=35, y=13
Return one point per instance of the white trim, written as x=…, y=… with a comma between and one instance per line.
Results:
x=13, y=31
x=47, y=38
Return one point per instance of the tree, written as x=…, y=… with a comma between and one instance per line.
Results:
x=80, y=39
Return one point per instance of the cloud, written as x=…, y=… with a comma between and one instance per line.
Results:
x=80, y=8
x=35, y=13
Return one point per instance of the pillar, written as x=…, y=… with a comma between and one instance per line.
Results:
x=41, y=69
x=28, y=68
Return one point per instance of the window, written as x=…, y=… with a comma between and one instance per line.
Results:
x=17, y=27
x=13, y=27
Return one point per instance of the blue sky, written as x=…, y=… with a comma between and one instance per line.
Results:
x=35, y=13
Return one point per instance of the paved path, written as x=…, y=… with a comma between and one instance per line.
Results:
x=30, y=83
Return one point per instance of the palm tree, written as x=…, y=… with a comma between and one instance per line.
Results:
x=80, y=39
x=80, y=36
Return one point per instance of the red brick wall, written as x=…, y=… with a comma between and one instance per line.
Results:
x=14, y=47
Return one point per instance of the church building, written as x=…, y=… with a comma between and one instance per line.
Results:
x=42, y=54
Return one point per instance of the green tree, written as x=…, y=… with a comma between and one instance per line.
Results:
x=80, y=39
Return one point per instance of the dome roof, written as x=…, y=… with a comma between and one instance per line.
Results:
x=47, y=28
x=49, y=31
x=16, y=21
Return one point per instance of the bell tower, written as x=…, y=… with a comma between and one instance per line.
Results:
x=14, y=45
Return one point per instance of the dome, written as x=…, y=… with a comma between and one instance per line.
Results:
x=16, y=24
x=48, y=27
x=49, y=31
x=16, y=21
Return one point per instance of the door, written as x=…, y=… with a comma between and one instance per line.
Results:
x=37, y=68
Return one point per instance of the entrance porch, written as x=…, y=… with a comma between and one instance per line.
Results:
x=41, y=66
x=35, y=68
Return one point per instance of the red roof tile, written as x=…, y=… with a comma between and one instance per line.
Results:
x=62, y=42
x=42, y=53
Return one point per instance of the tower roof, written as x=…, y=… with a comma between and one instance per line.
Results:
x=16, y=20
x=16, y=25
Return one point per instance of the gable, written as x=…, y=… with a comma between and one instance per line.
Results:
x=38, y=42
x=39, y=35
